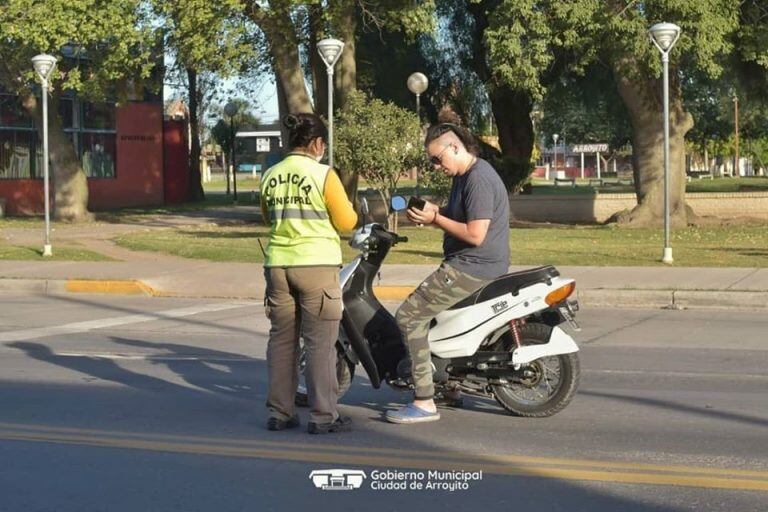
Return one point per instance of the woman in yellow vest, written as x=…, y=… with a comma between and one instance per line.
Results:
x=304, y=204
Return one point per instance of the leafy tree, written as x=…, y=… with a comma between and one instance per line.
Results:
x=113, y=43
x=378, y=141
x=618, y=35
x=585, y=108
x=293, y=27
x=208, y=41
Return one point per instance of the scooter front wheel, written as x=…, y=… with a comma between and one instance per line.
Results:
x=345, y=372
x=546, y=384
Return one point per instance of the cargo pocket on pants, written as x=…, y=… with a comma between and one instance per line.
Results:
x=330, y=307
x=267, y=307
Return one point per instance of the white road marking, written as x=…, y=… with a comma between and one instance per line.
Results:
x=708, y=375
x=89, y=325
x=149, y=357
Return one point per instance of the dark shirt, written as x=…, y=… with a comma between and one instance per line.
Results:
x=477, y=194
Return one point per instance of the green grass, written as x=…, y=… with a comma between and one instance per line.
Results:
x=244, y=184
x=14, y=252
x=755, y=184
x=736, y=246
x=37, y=222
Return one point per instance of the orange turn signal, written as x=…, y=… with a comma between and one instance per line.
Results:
x=559, y=295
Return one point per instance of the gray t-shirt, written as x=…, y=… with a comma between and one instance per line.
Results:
x=479, y=194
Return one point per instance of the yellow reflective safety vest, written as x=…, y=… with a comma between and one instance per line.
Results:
x=301, y=233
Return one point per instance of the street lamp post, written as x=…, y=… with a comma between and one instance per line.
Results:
x=417, y=84
x=231, y=111
x=44, y=66
x=664, y=36
x=330, y=51
x=555, y=136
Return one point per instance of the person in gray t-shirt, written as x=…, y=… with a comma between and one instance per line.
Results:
x=475, y=222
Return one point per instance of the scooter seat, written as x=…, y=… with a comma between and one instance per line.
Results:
x=509, y=283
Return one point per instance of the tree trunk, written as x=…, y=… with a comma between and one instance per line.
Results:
x=512, y=111
x=647, y=119
x=70, y=186
x=345, y=77
x=284, y=48
x=195, y=188
x=316, y=64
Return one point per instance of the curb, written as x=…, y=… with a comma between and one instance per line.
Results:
x=598, y=297
x=104, y=286
x=393, y=292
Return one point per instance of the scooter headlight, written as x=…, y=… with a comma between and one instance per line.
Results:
x=559, y=295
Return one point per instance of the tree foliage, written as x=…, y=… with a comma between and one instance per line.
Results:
x=109, y=48
x=109, y=41
x=379, y=141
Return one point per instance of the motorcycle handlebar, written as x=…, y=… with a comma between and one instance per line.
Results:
x=399, y=239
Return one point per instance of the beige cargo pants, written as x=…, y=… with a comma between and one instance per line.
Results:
x=306, y=301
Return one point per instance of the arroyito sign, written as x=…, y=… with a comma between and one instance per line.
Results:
x=589, y=148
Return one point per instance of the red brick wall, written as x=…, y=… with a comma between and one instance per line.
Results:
x=176, y=161
x=139, y=173
x=139, y=177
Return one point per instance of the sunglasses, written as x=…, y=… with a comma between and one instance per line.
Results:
x=438, y=159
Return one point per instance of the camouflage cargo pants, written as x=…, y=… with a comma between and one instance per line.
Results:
x=442, y=289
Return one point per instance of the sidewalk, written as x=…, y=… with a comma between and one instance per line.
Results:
x=743, y=288
x=163, y=275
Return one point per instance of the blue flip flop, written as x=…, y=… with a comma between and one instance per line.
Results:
x=411, y=414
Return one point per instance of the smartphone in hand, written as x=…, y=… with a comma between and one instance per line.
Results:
x=417, y=202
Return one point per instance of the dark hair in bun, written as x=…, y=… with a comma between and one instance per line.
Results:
x=303, y=128
x=467, y=139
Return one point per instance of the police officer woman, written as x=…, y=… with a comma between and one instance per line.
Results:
x=304, y=204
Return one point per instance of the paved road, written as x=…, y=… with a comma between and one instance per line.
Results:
x=128, y=403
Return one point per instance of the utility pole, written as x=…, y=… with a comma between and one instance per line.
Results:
x=736, y=133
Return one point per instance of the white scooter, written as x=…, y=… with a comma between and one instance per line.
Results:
x=502, y=342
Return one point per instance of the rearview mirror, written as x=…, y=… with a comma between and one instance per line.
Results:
x=397, y=203
x=364, y=206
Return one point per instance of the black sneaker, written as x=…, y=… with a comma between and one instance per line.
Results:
x=342, y=424
x=278, y=424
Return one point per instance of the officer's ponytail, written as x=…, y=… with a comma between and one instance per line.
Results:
x=303, y=129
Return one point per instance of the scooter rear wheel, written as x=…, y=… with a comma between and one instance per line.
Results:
x=345, y=372
x=549, y=383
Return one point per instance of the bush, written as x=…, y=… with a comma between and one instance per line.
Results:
x=378, y=141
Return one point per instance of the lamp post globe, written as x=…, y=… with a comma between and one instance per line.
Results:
x=230, y=109
x=44, y=65
x=417, y=83
x=330, y=51
x=664, y=35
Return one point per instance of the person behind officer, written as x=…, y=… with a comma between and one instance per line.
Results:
x=304, y=204
x=475, y=222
